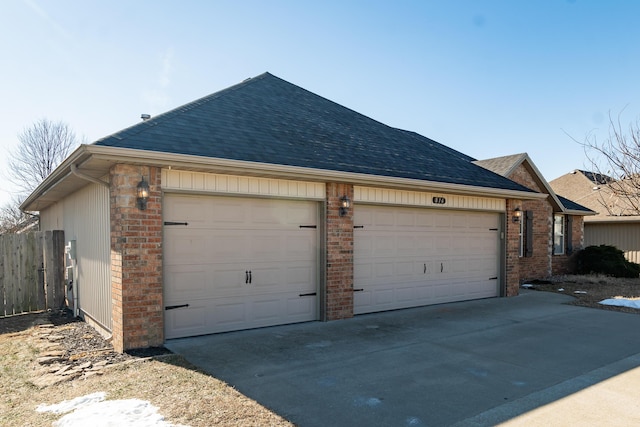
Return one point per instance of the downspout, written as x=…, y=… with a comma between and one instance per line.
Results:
x=74, y=170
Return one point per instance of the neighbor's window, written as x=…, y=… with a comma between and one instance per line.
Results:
x=558, y=234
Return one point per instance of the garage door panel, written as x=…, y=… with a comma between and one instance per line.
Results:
x=184, y=248
x=298, y=307
x=242, y=265
x=188, y=280
x=417, y=256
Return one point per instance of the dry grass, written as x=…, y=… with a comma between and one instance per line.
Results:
x=183, y=394
x=590, y=290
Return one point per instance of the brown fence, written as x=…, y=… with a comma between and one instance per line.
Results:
x=31, y=272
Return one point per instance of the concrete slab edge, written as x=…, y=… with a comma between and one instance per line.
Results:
x=518, y=407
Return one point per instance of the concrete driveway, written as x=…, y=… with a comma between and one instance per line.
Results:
x=525, y=360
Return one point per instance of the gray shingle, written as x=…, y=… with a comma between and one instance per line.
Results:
x=266, y=119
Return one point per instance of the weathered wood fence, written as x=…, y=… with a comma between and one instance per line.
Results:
x=31, y=272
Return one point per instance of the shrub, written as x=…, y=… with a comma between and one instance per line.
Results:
x=605, y=259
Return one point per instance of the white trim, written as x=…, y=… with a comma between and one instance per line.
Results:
x=387, y=196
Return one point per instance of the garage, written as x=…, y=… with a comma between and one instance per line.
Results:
x=236, y=263
x=409, y=257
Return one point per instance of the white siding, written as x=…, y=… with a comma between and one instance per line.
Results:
x=419, y=198
x=84, y=217
x=231, y=184
x=625, y=237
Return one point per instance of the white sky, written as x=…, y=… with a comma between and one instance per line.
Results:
x=485, y=77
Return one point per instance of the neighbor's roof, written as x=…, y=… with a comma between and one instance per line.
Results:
x=268, y=120
x=506, y=165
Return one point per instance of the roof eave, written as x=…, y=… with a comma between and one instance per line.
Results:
x=104, y=155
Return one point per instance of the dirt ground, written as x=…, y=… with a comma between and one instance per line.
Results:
x=46, y=358
x=588, y=291
x=50, y=357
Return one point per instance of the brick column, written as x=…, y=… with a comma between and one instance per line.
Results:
x=136, y=259
x=339, y=289
x=512, y=249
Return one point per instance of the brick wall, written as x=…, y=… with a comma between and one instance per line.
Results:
x=537, y=266
x=136, y=259
x=512, y=249
x=339, y=257
x=566, y=264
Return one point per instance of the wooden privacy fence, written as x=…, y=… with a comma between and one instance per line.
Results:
x=31, y=272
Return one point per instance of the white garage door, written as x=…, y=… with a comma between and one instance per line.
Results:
x=235, y=263
x=408, y=257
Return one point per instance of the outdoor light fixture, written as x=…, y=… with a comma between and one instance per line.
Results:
x=517, y=213
x=143, y=194
x=345, y=204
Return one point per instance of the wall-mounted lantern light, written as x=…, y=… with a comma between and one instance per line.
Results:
x=345, y=204
x=143, y=194
x=517, y=214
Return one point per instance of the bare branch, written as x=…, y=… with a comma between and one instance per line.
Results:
x=43, y=146
x=618, y=159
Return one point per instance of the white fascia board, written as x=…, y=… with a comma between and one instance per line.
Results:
x=84, y=153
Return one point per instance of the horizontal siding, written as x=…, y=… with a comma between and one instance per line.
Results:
x=232, y=184
x=84, y=217
x=418, y=198
x=625, y=237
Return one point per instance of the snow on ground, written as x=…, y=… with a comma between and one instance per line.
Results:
x=95, y=411
x=622, y=302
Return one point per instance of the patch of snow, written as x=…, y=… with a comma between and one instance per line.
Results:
x=93, y=410
x=579, y=292
x=621, y=302
x=527, y=286
x=560, y=289
x=70, y=405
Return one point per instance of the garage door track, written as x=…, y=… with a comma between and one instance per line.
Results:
x=472, y=363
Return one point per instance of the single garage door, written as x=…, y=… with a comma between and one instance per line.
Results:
x=234, y=263
x=408, y=257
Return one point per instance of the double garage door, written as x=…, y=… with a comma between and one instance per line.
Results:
x=409, y=257
x=234, y=263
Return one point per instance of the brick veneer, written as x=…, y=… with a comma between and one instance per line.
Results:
x=566, y=264
x=339, y=240
x=543, y=263
x=136, y=259
x=512, y=249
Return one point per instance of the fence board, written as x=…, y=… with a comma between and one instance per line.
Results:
x=31, y=272
x=3, y=300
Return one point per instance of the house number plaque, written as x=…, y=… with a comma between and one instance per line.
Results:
x=439, y=200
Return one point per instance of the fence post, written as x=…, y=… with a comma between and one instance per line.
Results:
x=41, y=300
x=54, y=268
x=3, y=287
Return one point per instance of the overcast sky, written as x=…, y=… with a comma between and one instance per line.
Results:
x=487, y=78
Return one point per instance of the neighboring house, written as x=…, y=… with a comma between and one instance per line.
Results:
x=265, y=204
x=616, y=222
x=552, y=228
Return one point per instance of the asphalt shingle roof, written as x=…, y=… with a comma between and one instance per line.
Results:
x=266, y=119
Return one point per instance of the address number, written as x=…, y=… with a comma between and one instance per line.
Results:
x=439, y=200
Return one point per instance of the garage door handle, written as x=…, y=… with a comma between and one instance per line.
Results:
x=441, y=267
x=358, y=290
x=425, y=269
x=310, y=294
x=175, y=223
x=246, y=276
x=249, y=276
x=173, y=307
